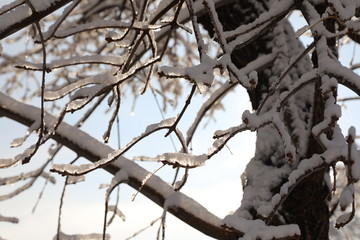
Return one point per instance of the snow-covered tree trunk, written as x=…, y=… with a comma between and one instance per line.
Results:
x=307, y=205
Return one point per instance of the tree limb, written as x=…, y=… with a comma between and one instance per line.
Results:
x=155, y=189
x=26, y=19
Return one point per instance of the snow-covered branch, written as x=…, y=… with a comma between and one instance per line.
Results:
x=157, y=190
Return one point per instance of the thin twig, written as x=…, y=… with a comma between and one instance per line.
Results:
x=42, y=122
x=187, y=103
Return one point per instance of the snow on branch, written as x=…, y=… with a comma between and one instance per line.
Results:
x=155, y=189
x=202, y=75
x=257, y=229
x=91, y=236
x=333, y=68
x=253, y=122
x=17, y=15
x=69, y=169
x=256, y=65
x=24, y=176
x=8, y=219
x=338, y=150
x=184, y=160
x=305, y=79
x=95, y=59
x=103, y=24
x=261, y=22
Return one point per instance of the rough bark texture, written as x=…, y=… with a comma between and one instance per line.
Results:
x=307, y=204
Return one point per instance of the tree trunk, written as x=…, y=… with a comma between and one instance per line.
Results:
x=307, y=205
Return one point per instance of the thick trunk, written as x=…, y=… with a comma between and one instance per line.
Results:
x=307, y=203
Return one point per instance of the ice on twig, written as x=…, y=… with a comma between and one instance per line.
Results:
x=91, y=236
x=69, y=169
x=117, y=211
x=19, y=141
x=183, y=159
x=94, y=59
x=75, y=179
x=202, y=75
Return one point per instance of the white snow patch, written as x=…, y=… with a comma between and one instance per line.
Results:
x=257, y=229
x=183, y=159
x=346, y=197
x=91, y=236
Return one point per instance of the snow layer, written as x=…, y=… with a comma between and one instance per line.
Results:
x=96, y=148
x=14, y=16
x=42, y=4
x=347, y=197
x=183, y=159
x=91, y=236
x=202, y=75
x=256, y=229
x=94, y=59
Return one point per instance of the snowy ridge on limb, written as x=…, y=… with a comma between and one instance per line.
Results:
x=17, y=15
x=9, y=162
x=52, y=95
x=70, y=169
x=338, y=150
x=10, y=18
x=155, y=189
x=19, y=141
x=51, y=30
x=63, y=33
x=347, y=197
x=202, y=75
x=331, y=115
x=23, y=176
x=42, y=5
x=344, y=9
x=282, y=8
x=305, y=168
x=255, y=65
x=354, y=156
x=75, y=179
x=184, y=160
x=305, y=79
x=177, y=159
x=253, y=122
x=333, y=68
x=247, y=81
x=179, y=200
x=290, y=150
x=315, y=20
x=91, y=236
x=257, y=229
x=95, y=59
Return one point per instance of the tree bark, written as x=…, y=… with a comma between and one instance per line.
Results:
x=307, y=205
